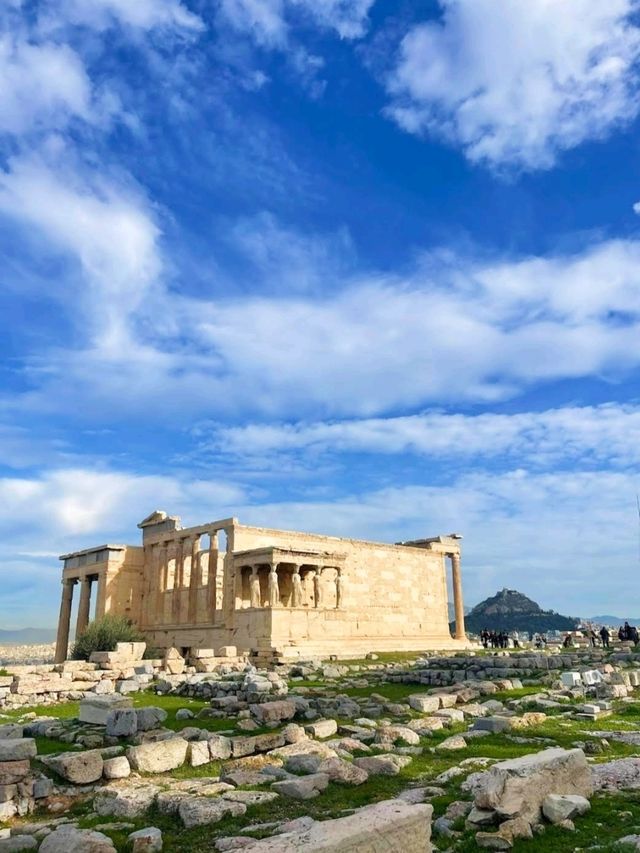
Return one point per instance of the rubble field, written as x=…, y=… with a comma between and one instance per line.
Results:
x=525, y=751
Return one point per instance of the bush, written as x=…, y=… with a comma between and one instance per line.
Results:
x=102, y=636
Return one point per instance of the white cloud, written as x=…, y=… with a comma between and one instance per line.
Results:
x=517, y=82
x=104, y=226
x=592, y=434
x=139, y=14
x=41, y=85
x=269, y=22
x=75, y=504
x=453, y=329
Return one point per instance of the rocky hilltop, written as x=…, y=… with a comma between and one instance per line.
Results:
x=510, y=610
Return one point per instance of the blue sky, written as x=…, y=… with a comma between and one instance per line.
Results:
x=354, y=266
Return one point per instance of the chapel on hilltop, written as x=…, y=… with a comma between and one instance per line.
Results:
x=268, y=592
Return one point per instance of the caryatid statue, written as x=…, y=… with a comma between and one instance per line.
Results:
x=317, y=588
x=296, y=586
x=274, y=591
x=254, y=588
x=339, y=589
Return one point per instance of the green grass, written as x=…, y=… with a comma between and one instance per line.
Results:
x=603, y=824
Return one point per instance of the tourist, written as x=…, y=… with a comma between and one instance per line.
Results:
x=567, y=641
x=593, y=637
x=622, y=636
x=604, y=636
x=633, y=635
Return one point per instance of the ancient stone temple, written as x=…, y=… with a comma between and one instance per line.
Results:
x=268, y=592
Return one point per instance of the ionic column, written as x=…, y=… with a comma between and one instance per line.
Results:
x=161, y=567
x=339, y=588
x=84, y=605
x=178, y=577
x=101, y=598
x=194, y=580
x=64, y=620
x=458, y=602
x=212, y=579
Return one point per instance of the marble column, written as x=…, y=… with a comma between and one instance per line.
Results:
x=212, y=579
x=178, y=578
x=161, y=567
x=194, y=580
x=84, y=605
x=458, y=602
x=64, y=620
x=339, y=588
x=101, y=598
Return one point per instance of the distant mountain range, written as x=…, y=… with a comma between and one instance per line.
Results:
x=27, y=636
x=611, y=620
x=510, y=610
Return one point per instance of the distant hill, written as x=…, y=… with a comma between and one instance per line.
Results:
x=27, y=637
x=510, y=610
x=611, y=620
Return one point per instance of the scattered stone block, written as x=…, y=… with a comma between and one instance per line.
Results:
x=201, y=811
x=17, y=749
x=392, y=825
x=559, y=807
x=96, y=709
x=126, y=800
x=158, y=757
x=69, y=839
x=518, y=787
x=322, y=728
x=149, y=718
x=304, y=788
x=81, y=768
x=122, y=723
x=424, y=702
x=116, y=768
x=148, y=840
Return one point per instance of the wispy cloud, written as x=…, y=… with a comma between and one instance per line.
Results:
x=518, y=84
x=592, y=435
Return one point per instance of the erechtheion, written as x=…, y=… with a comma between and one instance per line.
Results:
x=268, y=592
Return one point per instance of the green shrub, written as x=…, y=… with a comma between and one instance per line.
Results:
x=3, y=672
x=103, y=634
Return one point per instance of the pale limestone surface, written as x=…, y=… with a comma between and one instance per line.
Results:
x=391, y=826
x=518, y=787
x=269, y=591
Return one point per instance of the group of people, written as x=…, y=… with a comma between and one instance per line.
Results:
x=498, y=639
x=626, y=633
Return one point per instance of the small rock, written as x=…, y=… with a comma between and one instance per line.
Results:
x=148, y=840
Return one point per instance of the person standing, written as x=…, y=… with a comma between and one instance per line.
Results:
x=605, y=636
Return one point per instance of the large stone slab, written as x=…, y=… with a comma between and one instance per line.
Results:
x=392, y=826
x=81, y=768
x=68, y=839
x=158, y=757
x=518, y=787
x=17, y=749
x=96, y=709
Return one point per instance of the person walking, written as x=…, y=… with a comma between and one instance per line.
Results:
x=605, y=636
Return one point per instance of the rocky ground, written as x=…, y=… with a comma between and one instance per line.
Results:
x=32, y=654
x=545, y=760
